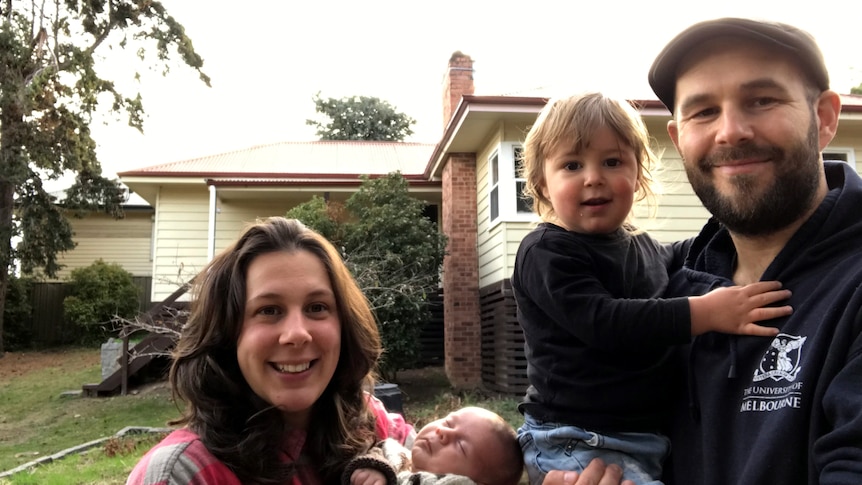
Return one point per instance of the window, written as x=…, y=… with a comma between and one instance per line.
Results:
x=843, y=154
x=506, y=187
x=523, y=203
x=494, y=185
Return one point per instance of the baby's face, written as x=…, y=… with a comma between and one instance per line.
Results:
x=463, y=443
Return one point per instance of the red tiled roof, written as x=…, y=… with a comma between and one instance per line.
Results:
x=313, y=160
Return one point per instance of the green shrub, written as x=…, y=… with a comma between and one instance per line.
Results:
x=18, y=315
x=99, y=293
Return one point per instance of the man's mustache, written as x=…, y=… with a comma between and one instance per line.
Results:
x=728, y=155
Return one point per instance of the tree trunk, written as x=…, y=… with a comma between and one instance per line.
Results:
x=12, y=168
x=10, y=159
x=7, y=192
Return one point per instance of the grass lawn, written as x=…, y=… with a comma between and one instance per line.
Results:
x=35, y=421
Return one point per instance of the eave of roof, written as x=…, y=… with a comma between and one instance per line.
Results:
x=413, y=180
x=470, y=104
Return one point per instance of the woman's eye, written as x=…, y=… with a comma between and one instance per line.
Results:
x=317, y=308
x=268, y=310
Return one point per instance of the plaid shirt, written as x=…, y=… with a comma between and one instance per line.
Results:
x=182, y=457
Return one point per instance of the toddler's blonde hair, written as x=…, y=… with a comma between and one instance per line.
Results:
x=575, y=119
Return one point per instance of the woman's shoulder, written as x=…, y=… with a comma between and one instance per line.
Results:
x=181, y=457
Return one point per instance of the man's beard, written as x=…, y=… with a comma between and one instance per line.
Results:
x=789, y=196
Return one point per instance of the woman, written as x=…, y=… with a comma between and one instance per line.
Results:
x=272, y=366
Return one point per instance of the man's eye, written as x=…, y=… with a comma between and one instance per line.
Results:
x=764, y=101
x=705, y=113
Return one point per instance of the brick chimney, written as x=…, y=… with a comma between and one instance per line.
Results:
x=457, y=82
x=461, y=307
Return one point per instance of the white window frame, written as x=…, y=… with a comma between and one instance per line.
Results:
x=506, y=186
x=847, y=152
x=494, y=187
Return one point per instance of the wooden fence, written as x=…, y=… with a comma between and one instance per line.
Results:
x=504, y=365
x=48, y=325
x=431, y=338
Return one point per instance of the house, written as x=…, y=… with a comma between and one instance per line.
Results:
x=202, y=204
x=470, y=178
x=126, y=241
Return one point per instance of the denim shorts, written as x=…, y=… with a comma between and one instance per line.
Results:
x=556, y=446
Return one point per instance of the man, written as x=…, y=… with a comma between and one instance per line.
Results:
x=752, y=111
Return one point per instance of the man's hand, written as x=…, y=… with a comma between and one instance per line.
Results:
x=367, y=476
x=596, y=473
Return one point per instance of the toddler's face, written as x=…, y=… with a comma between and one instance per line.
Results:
x=463, y=443
x=592, y=192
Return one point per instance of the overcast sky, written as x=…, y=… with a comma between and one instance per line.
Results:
x=267, y=59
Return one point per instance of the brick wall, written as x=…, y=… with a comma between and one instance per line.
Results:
x=462, y=339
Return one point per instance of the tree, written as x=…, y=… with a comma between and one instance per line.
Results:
x=856, y=90
x=394, y=252
x=360, y=118
x=49, y=92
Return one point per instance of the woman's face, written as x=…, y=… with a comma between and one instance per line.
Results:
x=290, y=339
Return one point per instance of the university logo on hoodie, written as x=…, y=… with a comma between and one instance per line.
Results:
x=774, y=385
x=781, y=361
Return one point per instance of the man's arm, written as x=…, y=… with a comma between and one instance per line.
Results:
x=838, y=454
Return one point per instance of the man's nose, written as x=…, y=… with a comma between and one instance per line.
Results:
x=734, y=127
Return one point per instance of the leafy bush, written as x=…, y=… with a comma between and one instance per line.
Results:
x=18, y=315
x=99, y=293
x=394, y=252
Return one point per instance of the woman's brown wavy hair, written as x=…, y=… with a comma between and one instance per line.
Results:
x=236, y=425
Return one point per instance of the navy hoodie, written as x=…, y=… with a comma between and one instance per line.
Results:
x=783, y=410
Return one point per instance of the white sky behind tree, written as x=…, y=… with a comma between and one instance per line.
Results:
x=267, y=59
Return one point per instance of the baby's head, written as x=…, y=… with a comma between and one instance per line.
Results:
x=473, y=442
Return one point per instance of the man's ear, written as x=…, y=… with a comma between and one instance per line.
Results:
x=673, y=131
x=828, y=108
